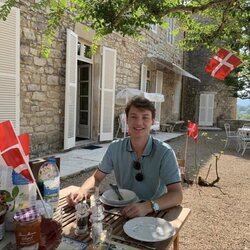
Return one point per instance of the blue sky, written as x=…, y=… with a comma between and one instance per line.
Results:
x=243, y=102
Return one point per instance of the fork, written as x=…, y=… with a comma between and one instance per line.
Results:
x=116, y=189
x=132, y=242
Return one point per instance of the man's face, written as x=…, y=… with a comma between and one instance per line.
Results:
x=139, y=122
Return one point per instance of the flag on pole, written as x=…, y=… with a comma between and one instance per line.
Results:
x=222, y=64
x=11, y=151
x=192, y=130
x=25, y=142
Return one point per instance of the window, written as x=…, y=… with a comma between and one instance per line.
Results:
x=170, y=36
x=153, y=28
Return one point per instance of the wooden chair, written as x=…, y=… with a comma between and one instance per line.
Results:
x=232, y=136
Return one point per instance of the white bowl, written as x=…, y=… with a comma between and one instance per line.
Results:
x=111, y=197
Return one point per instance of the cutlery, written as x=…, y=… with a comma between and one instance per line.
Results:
x=113, y=213
x=115, y=188
x=115, y=237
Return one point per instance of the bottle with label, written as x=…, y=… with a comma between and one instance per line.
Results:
x=49, y=182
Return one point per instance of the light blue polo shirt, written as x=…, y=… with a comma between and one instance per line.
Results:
x=158, y=166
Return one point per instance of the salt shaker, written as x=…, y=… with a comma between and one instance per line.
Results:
x=82, y=218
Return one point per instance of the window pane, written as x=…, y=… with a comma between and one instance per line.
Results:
x=84, y=74
x=84, y=105
x=84, y=88
x=83, y=118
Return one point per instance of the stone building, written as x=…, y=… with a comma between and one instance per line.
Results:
x=208, y=101
x=70, y=96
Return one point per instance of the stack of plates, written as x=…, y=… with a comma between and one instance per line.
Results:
x=110, y=198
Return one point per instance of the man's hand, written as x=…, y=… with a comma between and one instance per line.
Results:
x=74, y=198
x=137, y=210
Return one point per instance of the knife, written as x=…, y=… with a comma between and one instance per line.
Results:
x=115, y=188
x=139, y=244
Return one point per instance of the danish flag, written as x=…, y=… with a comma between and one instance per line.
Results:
x=14, y=151
x=222, y=64
x=192, y=130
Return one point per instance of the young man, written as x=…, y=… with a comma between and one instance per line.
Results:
x=140, y=163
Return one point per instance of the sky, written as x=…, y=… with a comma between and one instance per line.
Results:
x=243, y=102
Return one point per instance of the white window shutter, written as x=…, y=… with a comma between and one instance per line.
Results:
x=210, y=109
x=10, y=69
x=144, y=70
x=158, y=89
x=108, y=94
x=70, y=90
x=206, y=110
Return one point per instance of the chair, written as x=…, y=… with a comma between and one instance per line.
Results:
x=173, y=126
x=246, y=125
x=244, y=140
x=232, y=136
x=122, y=124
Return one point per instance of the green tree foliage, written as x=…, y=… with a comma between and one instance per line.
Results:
x=206, y=23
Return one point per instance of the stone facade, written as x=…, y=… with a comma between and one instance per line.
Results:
x=42, y=81
x=224, y=104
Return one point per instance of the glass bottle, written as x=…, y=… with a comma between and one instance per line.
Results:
x=82, y=218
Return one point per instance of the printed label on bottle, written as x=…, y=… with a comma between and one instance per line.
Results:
x=51, y=190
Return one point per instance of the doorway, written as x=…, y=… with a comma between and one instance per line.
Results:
x=84, y=83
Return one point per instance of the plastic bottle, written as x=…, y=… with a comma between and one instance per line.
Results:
x=49, y=182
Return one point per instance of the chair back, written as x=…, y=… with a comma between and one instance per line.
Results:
x=246, y=125
x=227, y=128
x=244, y=134
x=123, y=122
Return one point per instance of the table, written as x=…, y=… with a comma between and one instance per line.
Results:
x=177, y=216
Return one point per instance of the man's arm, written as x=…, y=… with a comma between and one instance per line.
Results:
x=172, y=198
x=94, y=180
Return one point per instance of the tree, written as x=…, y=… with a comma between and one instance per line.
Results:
x=205, y=23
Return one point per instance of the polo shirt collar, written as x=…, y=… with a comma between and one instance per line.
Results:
x=148, y=148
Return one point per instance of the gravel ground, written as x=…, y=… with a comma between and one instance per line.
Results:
x=220, y=215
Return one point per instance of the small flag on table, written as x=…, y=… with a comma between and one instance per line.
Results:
x=11, y=151
x=192, y=130
x=222, y=64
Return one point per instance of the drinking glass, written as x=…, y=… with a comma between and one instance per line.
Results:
x=101, y=235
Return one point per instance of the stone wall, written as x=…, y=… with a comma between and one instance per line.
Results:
x=43, y=80
x=225, y=105
x=42, y=83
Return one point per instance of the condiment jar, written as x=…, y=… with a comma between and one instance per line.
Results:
x=82, y=218
x=27, y=229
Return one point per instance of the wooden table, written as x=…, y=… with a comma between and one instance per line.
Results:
x=177, y=216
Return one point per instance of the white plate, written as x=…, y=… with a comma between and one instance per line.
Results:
x=149, y=229
x=136, y=199
x=111, y=197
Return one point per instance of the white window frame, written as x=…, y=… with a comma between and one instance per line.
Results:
x=169, y=33
x=154, y=28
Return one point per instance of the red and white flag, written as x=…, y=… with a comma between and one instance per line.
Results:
x=222, y=64
x=11, y=151
x=192, y=130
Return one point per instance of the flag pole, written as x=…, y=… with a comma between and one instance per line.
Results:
x=37, y=188
x=185, y=152
x=31, y=174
